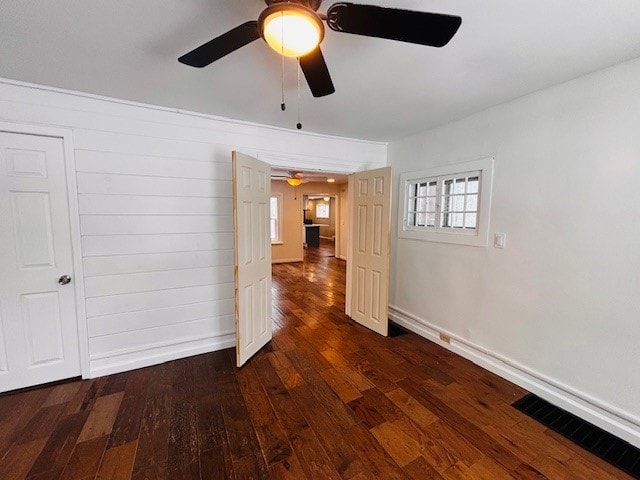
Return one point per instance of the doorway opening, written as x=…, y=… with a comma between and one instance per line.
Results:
x=275, y=207
x=319, y=222
x=308, y=215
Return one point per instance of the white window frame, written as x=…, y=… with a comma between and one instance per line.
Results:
x=325, y=204
x=278, y=240
x=479, y=236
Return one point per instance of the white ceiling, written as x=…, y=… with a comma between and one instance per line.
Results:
x=384, y=89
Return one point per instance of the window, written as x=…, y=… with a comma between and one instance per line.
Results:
x=448, y=204
x=322, y=210
x=275, y=218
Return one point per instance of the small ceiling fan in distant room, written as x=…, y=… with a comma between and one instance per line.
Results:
x=294, y=179
x=295, y=29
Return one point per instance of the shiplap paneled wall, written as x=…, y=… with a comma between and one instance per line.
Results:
x=157, y=242
x=155, y=201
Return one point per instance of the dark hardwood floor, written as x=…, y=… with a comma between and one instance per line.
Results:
x=327, y=399
x=326, y=249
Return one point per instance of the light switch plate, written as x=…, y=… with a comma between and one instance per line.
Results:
x=500, y=240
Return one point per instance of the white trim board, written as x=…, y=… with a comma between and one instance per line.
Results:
x=114, y=100
x=132, y=360
x=601, y=414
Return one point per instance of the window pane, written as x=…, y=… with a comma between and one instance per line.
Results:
x=273, y=223
x=457, y=220
x=457, y=203
x=413, y=189
x=445, y=220
x=431, y=189
x=472, y=185
x=431, y=204
x=459, y=185
x=421, y=219
x=431, y=219
x=470, y=220
x=322, y=210
x=472, y=203
x=411, y=219
x=422, y=190
x=274, y=229
x=421, y=204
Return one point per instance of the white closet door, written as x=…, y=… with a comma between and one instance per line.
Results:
x=38, y=329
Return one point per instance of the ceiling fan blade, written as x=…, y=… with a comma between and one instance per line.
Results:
x=317, y=74
x=223, y=45
x=423, y=28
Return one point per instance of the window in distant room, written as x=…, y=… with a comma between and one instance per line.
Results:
x=275, y=218
x=448, y=204
x=322, y=210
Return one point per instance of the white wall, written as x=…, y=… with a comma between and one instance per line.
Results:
x=156, y=215
x=559, y=309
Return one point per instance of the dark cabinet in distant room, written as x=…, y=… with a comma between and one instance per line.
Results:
x=312, y=235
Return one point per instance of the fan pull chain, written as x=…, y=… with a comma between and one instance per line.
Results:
x=299, y=124
x=282, y=105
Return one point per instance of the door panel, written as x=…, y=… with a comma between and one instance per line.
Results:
x=41, y=319
x=38, y=329
x=34, y=239
x=26, y=163
x=368, y=271
x=251, y=199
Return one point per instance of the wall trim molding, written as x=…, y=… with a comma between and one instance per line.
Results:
x=77, y=93
x=287, y=260
x=131, y=360
x=608, y=417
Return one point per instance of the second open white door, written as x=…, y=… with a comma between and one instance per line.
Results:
x=251, y=195
x=369, y=237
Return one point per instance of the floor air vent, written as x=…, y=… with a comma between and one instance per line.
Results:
x=617, y=452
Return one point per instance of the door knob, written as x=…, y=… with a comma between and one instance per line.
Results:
x=64, y=279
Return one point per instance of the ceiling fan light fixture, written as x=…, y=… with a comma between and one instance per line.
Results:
x=294, y=182
x=292, y=30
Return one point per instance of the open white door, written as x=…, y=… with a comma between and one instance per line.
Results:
x=251, y=198
x=367, y=299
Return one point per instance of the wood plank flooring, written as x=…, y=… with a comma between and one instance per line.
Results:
x=327, y=399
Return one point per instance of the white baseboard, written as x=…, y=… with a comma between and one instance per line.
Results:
x=132, y=360
x=343, y=257
x=287, y=260
x=608, y=417
x=327, y=238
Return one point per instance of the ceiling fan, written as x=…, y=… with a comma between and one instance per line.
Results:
x=292, y=178
x=294, y=29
